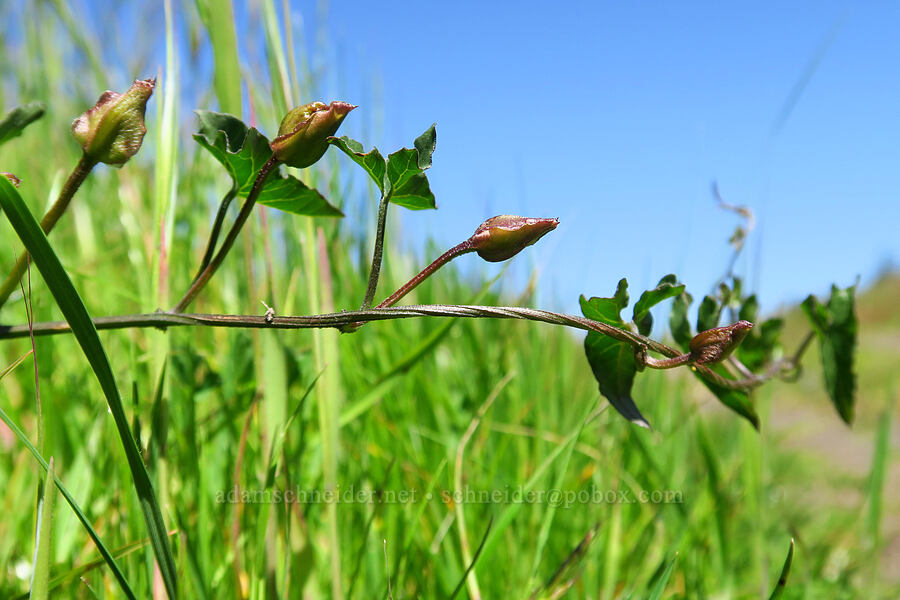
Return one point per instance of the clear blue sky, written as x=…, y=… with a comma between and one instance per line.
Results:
x=616, y=118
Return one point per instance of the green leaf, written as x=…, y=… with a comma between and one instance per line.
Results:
x=785, y=570
x=74, y=311
x=401, y=177
x=731, y=296
x=761, y=342
x=758, y=347
x=607, y=310
x=372, y=161
x=678, y=321
x=425, y=145
x=40, y=576
x=667, y=287
x=736, y=400
x=836, y=327
x=612, y=361
x=289, y=194
x=409, y=186
x=243, y=151
x=709, y=314
x=749, y=309
x=12, y=124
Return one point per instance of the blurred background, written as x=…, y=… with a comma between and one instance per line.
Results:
x=617, y=119
x=637, y=126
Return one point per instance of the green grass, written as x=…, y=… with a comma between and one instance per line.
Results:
x=410, y=416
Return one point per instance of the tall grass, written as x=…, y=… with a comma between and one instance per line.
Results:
x=435, y=435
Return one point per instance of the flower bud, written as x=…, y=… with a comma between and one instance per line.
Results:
x=504, y=236
x=303, y=132
x=715, y=345
x=13, y=179
x=112, y=130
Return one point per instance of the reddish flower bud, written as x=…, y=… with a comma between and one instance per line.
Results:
x=715, y=345
x=504, y=236
x=113, y=129
x=303, y=132
x=15, y=180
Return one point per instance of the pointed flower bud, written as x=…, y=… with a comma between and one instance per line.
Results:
x=113, y=129
x=303, y=132
x=504, y=236
x=13, y=179
x=715, y=345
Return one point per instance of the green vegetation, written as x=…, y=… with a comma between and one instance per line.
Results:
x=417, y=457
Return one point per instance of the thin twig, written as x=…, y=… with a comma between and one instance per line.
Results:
x=216, y=230
x=76, y=178
x=164, y=320
x=443, y=259
x=457, y=250
x=201, y=280
x=378, y=253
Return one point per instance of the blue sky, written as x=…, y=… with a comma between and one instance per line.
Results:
x=616, y=118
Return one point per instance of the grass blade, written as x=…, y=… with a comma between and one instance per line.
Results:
x=218, y=19
x=101, y=547
x=785, y=570
x=462, y=580
x=564, y=577
x=15, y=364
x=73, y=309
x=547, y=521
x=80, y=570
x=877, y=475
x=41, y=574
x=510, y=512
x=660, y=586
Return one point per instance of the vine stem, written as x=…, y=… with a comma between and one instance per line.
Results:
x=76, y=178
x=216, y=230
x=201, y=280
x=164, y=320
x=378, y=253
x=457, y=250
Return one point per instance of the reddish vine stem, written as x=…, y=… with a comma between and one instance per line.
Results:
x=458, y=250
x=202, y=279
x=76, y=178
x=164, y=320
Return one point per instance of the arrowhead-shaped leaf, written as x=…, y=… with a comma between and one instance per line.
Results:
x=612, y=361
x=736, y=400
x=405, y=168
x=709, y=314
x=667, y=287
x=678, y=321
x=18, y=118
x=402, y=174
x=758, y=347
x=242, y=151
x=372, y=161
x=710, y=310
x=835, y=326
